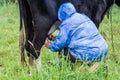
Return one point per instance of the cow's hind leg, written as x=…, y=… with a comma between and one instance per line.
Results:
x=44, y=15
x=41, y=31
x=21, y=45
x=22, y=8
x=29, y=30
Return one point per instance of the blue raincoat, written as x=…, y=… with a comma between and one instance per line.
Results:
x=80, y=35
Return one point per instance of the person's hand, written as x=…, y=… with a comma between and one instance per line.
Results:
x=51, y=37
x=47, y=44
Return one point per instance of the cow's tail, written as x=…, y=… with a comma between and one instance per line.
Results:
x=21, y=36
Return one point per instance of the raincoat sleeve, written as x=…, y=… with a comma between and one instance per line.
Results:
x=61, y=40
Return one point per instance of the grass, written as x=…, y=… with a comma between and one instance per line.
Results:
x=10, y=67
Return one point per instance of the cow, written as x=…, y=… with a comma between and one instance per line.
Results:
x=38, y=16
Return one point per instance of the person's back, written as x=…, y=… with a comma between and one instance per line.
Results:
x=86, y=43
x=80, y=35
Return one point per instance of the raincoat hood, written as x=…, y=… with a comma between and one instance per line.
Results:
x=65, y=11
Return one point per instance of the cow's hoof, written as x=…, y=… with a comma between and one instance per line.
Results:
x=38, y=64
x=34, y=65
x=23, y=63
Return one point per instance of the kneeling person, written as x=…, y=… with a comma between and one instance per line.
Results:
x=80, y=35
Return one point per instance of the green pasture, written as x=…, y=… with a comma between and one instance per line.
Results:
x=10, y=67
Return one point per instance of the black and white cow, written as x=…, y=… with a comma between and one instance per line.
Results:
x=39, y=15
